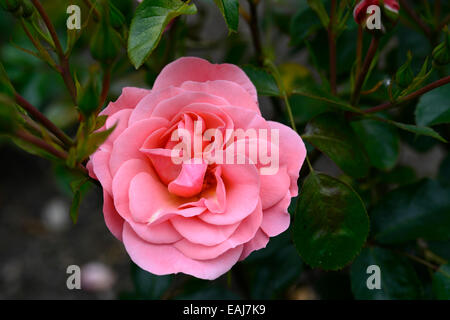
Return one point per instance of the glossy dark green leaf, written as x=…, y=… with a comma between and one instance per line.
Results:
x=418, y=130
x=434, y=107
x=230, y=11
x=147, y=285
x=263, y=81
x=331, y=223
x=417, y=210
x=380, y=141
x=148, y=24
x=441, y=283
x=306, y=108
x=399, y=281
x=332, y=135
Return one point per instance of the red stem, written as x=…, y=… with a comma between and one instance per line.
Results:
x=411, y=96
x=365, y=68
x=23, y=135
x=64, y=67
x=38, y=116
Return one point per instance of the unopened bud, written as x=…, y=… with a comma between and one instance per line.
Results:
x=441, y=54
x=105, y=43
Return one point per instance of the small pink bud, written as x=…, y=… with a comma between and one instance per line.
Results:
x=360, y=11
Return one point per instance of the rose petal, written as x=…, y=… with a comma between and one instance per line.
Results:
x=127, y=145
x=145, y=106
x=127, y=100
x=150, y=201
x=276, y=219
x=200, y=70
x=259, y=241
x=113, y=220
x=244, y=233
x=235, y=95
x=166, y=259
x=293, y=153
x=190, y=180
x=242, y=187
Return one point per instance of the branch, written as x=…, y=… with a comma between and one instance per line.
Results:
x=64, y=68
x=38, y=116
x=365, y=68
x=25, y=136
x=411, y=96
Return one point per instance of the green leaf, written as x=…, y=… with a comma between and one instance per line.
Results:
x=320, y=95
x=380, y=141
x=88, y=98
x=331, y=223
x=8, y=118
x=77, y=188
x=75, y=206
x=230, y=11
x=149, y=286
x=105, y=43
x=418, y=210
x=332, y=135
x=319, y=8
x=303, y=24
x=148, y=24
x=434, y=107
x=5, y=84
x=263, y=81
x=441, y=283
x=398, y=278
x=305, y=108
x=419, y=130
x=88, y=146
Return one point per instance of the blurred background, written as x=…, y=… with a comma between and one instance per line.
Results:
x=37, y=238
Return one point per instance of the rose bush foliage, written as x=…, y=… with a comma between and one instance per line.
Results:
x=371, y=105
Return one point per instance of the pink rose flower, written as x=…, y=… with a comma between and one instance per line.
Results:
x=195, y=218
x=360, y=11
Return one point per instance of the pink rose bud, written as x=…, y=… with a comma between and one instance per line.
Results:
x=194, y=178
x=390, y=8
